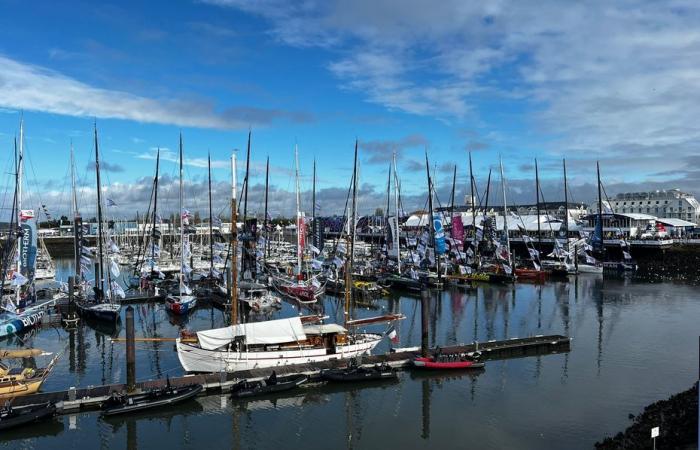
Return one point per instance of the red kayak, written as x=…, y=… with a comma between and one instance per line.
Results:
x=446, y=363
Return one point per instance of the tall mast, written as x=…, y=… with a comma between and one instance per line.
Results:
x=76, y=214
x=246, y=232
x=211, y=226
x=265, y=222
x=155, y=211
x=182, y=227
x=300, y=250
x=313, y=207
x=398, y=216
x=452, y=197
x=600, y=208
x=351, y=253
x=505, y=211
x=537, y=192
x=431, y=226
x=471, y=188
x=100, y=250
x=566, y=208
x=234, y=244
x=20, y=173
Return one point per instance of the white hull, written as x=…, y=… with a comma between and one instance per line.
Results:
x=588, y=268
x=195, y=359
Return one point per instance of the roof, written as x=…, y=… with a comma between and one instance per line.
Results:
x=267, y=332
x=633, y=216
x=675, y=222
x=324, y=329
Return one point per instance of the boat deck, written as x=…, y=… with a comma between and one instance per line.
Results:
x=91, y=397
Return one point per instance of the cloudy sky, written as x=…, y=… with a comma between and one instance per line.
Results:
x=616, y=82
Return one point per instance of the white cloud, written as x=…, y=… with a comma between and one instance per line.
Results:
x=34, y=88
x=598, y=79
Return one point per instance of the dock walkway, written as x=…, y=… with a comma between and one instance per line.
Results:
x=91, y=397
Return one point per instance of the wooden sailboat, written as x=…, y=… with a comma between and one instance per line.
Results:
x=23, y=381
x=183, y=302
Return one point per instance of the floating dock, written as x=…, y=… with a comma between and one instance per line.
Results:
x=91, y=397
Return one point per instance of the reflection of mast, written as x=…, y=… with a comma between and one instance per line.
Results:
x=425, y=432
x=476, y=313
x=599, y=313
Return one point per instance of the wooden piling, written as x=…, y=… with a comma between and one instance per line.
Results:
x=130, y=350
x=424, y=323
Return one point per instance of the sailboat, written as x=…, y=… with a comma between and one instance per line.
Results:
x=101, y=306
x=182, y=302
x=303, y=290
x=20, y=311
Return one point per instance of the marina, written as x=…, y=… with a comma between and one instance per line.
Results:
x=360, y=225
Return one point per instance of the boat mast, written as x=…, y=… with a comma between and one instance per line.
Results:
x=398, y=216
x=431, y=219
x=100, y=282
x=182, y=227
x=234, y=244
x=471, y=188
x=600, y=210
x=20, y=173
x=537, y=193
x=452, y=196
x=155, y=212
x=300, y=250
x=313, y=208
x=349, y=256
x=246, y=232
x=566, y=210
x=76, y=214
x=266, y=250
x=386, y=213
x=211, y=226
x=505, y=211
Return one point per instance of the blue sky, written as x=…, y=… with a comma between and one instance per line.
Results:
x=523, y=80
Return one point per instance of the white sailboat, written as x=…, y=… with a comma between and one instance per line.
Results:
x=184, y=301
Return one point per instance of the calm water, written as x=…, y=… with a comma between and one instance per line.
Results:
x=633, y=343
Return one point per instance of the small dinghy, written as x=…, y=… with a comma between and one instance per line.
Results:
x=353, y=374
x=271, y=385
x=455, y=361
x=124, y=404
x=22, y=415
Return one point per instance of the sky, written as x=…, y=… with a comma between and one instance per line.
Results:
x=614, y=82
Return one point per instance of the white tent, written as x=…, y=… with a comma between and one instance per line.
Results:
x=266, y=333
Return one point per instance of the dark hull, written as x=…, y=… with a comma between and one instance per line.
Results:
x=406, y=284
x=85, y=310
x=246, y=389
x=142, y=402
x=24, y=415
x=358, y=374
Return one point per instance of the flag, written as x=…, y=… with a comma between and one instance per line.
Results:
x=118, y=291
x=114, y=267
x=26, y=214
x=393, y=336
x=439, y=235
x=18, y=280
x=507, y=269
x=457, y=228
x=111, y=202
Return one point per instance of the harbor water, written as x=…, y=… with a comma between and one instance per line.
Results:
x=633, y=343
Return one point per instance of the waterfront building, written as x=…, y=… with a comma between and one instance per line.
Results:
x=672, y=203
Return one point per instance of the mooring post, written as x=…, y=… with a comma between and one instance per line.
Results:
x=71, y=296
x=130, y=350
x=424, y=322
